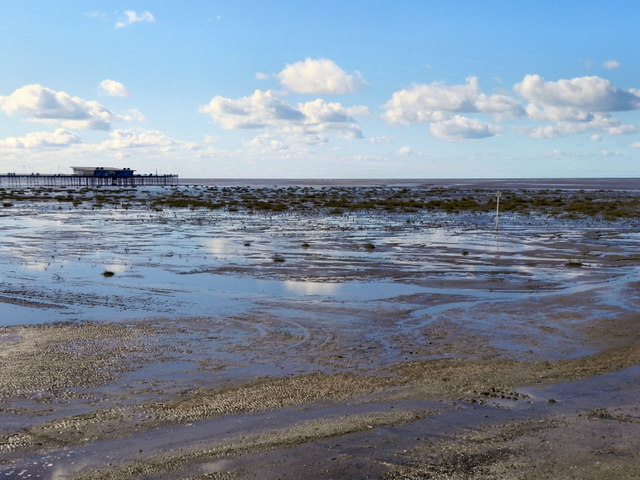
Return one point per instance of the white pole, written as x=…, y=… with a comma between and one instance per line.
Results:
x=498, y=194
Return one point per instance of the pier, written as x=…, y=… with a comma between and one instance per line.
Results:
x=62, y=180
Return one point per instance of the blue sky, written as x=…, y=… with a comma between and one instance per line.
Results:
x=325, y=89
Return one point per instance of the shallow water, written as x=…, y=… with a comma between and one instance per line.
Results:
x=316, y=270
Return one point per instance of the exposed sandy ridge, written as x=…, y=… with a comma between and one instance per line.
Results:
x=470, y=380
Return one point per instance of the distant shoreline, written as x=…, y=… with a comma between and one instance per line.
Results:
x=560, y=183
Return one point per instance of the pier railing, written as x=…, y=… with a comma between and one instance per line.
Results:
x=60, y=180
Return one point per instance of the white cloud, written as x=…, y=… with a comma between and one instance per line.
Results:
x=557, y=114
x=595, y=137
x=318, y=111
x=122, y=139
x=599, y=122
x=265, y=109
x=317, y=76
x=463, y=128
x=320, y=116
x=266, y=143
x=36, y=140
x=41, y=104
x=405, y=151
x=133, y=17
x=547, y=131
x=434, y=103
x=587, y=94
x=134, y=115
x=635, y=145
x=255, y=111
x=575, y=106
x=596, y=122
x=616, y=128
x=380, y=139
x=262, y=76
x=611, y=64
x=112, y=88
x=607, y=153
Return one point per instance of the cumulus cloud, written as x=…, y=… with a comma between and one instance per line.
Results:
x=577, y=105
x=463, y=128
x=127, y=139
x=586, y=94
x=317, y=76
x=635, y=145
x=133, y=17
x=112, y=88
x=597, y=123
x=405, y=151
x=41, y=104
x=265, y=109
x=322, y=116
x=569, y=106
x=255, y=111
x=435, y=102
x=611, y=64
x=547, y=131
x=318, y=111
x=58, y=139
x=549, y=113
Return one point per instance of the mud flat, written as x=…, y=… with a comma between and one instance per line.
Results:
x=184, y=341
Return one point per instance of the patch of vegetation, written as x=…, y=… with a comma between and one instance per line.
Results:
x=339, y=200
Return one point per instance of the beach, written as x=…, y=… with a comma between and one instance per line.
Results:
x=391, y=330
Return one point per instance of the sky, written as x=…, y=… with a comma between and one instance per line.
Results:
x=322, y=89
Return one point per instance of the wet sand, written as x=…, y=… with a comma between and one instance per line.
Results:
x=310, y=344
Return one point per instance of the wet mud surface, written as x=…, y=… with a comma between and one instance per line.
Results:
x=193, y=342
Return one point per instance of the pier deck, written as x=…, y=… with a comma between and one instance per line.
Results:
x=43, y=180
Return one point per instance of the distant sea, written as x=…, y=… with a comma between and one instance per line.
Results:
x=541, y=183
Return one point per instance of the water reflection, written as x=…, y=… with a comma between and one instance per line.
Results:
x=221, y=246
x=37, y=266
x=168, y=259
x=311, y=288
